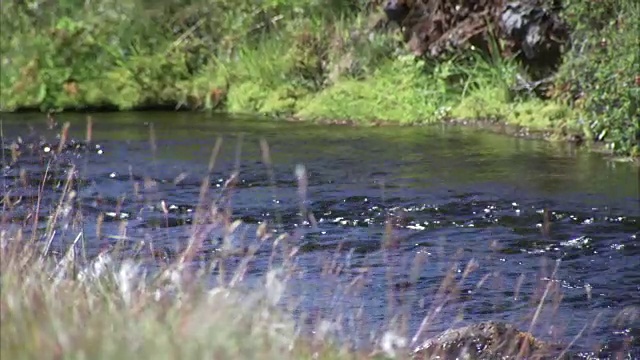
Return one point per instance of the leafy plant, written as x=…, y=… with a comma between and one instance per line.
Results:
x=601, y=73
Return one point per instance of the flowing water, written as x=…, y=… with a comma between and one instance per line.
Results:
x=445, y=196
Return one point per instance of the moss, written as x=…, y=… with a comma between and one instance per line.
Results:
x=539, y=115
x=396, y=92
x=281, y=101
x=490, y=103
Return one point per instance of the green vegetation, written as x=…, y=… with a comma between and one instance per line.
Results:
x=601, y=76
x=308, y=59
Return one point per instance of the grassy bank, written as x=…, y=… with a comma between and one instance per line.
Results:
x=308, y=59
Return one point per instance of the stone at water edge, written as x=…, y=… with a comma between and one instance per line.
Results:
x=487, y=341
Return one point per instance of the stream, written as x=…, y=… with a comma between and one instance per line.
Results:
x=442, y=197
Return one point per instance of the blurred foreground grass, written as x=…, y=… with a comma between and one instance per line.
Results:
x=59, y=307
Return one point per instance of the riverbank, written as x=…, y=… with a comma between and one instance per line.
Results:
x=311, y=61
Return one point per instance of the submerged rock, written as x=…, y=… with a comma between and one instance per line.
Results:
x=488, y=341
x=530, y=30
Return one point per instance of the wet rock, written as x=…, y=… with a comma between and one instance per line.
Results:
x=487, y=341
x=529, y=29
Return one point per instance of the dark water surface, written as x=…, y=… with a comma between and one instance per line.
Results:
x=451, y=195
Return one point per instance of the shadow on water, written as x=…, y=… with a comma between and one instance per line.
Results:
x=447, y=196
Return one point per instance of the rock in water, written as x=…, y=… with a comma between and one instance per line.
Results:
x=487, y=341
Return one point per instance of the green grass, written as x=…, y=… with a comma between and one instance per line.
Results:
x=308, y=59
x=395, y=92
